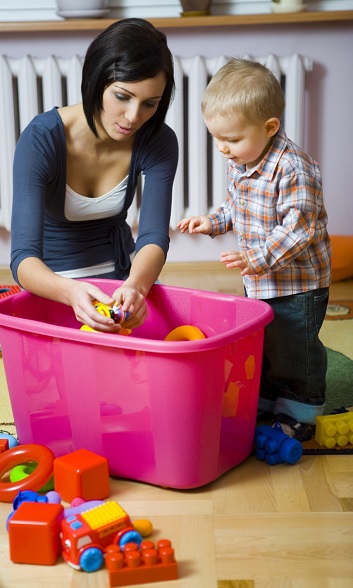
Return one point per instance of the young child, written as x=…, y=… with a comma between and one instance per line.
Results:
x=275, y=207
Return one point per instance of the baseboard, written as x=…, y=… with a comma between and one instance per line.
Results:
x=6, y=276
x=203, y=275
x=194, y=266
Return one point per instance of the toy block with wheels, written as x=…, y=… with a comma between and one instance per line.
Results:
x=273, y=446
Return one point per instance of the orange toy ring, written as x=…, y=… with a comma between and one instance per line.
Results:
x=185, y=333
x=22, y=454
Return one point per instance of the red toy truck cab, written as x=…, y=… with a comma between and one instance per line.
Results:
x=85, y=536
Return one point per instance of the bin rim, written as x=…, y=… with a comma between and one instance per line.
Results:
x=130, y=342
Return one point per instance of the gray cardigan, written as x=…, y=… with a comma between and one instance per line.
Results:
x=39, y=227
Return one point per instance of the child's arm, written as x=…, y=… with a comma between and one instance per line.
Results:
x=196, y=224
x=237, y=259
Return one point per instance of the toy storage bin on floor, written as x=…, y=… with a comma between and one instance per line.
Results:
x=175, y=414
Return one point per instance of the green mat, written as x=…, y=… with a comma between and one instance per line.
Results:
x=339, y=381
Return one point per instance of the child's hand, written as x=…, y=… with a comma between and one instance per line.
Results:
x=196, y=224
x=237, y=259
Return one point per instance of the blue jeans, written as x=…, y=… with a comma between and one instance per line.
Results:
x=293, y=379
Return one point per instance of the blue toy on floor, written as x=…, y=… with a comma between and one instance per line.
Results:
x=273, y=446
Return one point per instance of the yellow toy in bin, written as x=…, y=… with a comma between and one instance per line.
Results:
x=115, y=312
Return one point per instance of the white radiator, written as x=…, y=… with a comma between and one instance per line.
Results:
x=31, y=85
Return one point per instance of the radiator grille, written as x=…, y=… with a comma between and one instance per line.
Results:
x=32, y=85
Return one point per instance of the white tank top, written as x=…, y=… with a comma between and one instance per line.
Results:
x=81, y=208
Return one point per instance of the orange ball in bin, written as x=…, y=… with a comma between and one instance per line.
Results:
x=185, y=333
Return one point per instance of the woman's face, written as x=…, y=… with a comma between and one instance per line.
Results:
x=128, y=105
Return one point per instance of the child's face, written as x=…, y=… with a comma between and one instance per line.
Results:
x=239, y=140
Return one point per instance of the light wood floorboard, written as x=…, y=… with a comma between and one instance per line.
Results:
x=255, y=527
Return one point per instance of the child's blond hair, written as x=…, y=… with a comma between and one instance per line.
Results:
x=246, y=88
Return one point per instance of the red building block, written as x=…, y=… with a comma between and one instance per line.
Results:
x=83, y=474
x=141, y=566
x=34, y=533
x=4, y=445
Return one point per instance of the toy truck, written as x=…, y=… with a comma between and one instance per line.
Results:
x=273, y=446
x=86, y=536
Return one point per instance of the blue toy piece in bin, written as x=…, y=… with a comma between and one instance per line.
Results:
x=273, y=446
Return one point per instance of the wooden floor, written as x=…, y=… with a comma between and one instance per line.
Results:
x=255, y=527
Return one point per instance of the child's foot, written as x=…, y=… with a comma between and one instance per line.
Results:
x=340, y=410
x=299, y=431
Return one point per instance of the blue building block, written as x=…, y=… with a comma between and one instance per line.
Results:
x=273, y=446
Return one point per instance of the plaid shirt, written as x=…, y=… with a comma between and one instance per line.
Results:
x=277, y=212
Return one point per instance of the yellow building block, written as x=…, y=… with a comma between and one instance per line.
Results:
x=335, y=429
x=104, y=514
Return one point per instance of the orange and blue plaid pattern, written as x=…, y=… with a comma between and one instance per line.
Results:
x=277, y=212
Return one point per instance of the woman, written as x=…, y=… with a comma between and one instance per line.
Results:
x=76, y=170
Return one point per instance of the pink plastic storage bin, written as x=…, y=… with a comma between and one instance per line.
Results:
x=175, y=414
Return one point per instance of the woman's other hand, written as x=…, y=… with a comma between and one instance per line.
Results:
x=133, y=302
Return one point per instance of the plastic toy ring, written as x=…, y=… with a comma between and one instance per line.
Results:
x=23, y=454
x=22, y=471
x=185, y=333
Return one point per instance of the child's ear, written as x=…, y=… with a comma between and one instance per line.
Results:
x=271, y=126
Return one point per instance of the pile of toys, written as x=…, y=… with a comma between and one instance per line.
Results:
x=94, y=531
x=273, y=446
x=90, y=532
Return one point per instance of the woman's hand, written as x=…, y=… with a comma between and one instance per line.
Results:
x=81, y=296
x=37, y=278
x=133, y=302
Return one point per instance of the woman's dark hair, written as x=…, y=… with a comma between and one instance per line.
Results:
x=129, y=50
